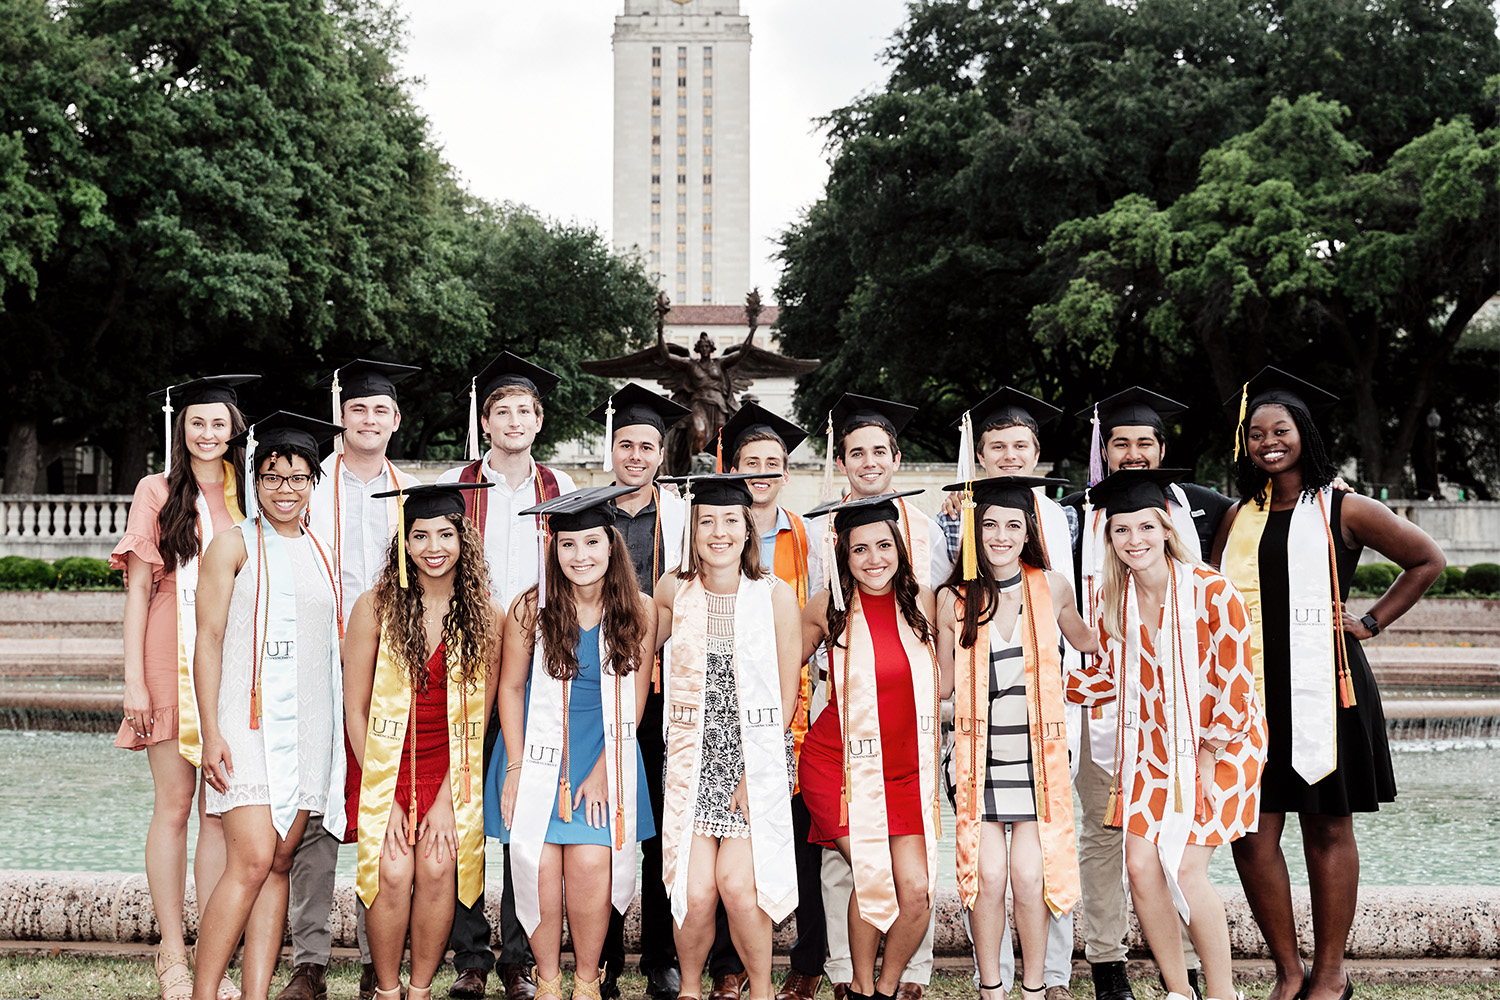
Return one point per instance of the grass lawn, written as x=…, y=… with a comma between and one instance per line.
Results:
x=133, y=979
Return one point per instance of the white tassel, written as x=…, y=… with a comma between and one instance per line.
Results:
x=827, y=492
x=687, y=523
x=252, y=504
x=835, y=585
x=473, y=422
x=966, y=447
x=609, y=434
x=166, y=409
x=338, y=412
x=542, y=528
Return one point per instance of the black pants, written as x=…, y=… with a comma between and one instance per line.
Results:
x=658, y=947
x=470, y=938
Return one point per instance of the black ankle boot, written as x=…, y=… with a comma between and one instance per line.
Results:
x=1110, y=981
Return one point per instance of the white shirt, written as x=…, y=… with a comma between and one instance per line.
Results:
x=511, y=542
x=360, y=541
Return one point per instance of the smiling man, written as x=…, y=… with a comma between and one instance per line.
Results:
x=358, y=528
x=1132, y=435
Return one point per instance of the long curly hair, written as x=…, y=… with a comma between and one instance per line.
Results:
x=1317, y=468
x=468, y=628
x=904, y=583
x=623, y=628
x=982, y=594
x=177, y=523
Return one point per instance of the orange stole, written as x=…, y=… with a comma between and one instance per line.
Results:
x=790, y=566
x=864, y=768
x=1049, y=746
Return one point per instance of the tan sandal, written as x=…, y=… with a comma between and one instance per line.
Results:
x=419, y=992
x=174, y=976
x=396, y=994
x=586, y=990
x=547, y=987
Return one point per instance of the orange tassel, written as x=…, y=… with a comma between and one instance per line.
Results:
x=719, y=452
x=1097, y=712
x=467, y=778
x=619, y=827
x=1346, y=688
x=411, y=826
x=844, y=809
x=656, y=674
x=565, y=802
x=255, y=708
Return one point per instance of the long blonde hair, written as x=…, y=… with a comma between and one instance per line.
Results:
x=1116, y=573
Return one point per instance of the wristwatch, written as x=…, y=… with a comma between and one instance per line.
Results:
x=1369, y=622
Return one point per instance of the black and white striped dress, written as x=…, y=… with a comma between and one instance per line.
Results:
x=1009, y=795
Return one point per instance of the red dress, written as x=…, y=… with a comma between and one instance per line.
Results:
x=820, y=770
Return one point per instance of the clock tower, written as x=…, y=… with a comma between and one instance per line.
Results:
x=682, y=145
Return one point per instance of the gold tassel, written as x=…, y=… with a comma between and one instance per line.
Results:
x=1346, y=688
x=970, y=546
x=401, y=538
x=1239, y=428
x=1112, y=810
x=565, y=802
x=1177, y=792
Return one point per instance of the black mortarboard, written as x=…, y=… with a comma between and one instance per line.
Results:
x=753, y=418
x=853, y=410
x=511, y=369
x=212, y=389
x=1272, y=385
x=283, y=429
x=581, y=509
x=1009, y=406
x=432, y=500
x=633, y=404
x=719, y=489
x=855, y=511
x=1130, y=490
x=1135, y=407
x=1006, y=491
x=361, y=378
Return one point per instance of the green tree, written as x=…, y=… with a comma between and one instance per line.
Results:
x=1295, y=250
x=917, y=273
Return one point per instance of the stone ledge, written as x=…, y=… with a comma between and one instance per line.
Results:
x=1392, y=922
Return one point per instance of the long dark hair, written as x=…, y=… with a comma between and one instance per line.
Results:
x=623, y=627
x=468, y=628
x=904, y=584
x=981, y=595
x=177, y=523
x=1317, y=467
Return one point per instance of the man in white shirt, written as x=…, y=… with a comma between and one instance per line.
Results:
x=506, y=399
x=865, y=447
x=358, y=530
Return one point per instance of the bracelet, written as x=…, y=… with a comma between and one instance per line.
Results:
x=513, y=765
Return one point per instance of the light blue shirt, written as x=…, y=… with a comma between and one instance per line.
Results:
x=768, y=541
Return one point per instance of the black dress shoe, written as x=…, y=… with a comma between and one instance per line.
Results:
x=1110, y=981
x=663, y=984
x=1194, y=982
x=367, y=982
x=609, y=985
x=469, y=985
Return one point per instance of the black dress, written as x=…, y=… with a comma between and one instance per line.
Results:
x=1362, y=778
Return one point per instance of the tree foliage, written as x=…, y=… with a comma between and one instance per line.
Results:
x=206, y=185
x=918, y=273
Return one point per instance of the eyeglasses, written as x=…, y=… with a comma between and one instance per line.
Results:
x=272, y=481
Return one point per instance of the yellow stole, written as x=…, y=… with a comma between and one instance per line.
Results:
x=189, y=740
x=864, y=768
x=390, y=713
x=1053, y=786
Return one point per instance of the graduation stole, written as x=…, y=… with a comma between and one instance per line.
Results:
x=915, y=528
x=189, y=740
x=1179, y=685
x=392, y=715
x=477, y=502
x=392, y=517
x=1052, y=786
x=862, y=802
x=1320, y=677
x=544, y=781
x=274, y=664
x=790, y=566
x=761, y=733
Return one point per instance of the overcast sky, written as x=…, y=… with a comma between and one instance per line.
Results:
x=519, y=96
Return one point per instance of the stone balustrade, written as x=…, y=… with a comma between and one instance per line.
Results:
x=56, y=525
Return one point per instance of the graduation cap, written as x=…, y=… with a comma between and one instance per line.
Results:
x=281, y=430
x=212, y=389
x=358, y=379
x=1005, y=407
x=507, y=369
x=752, y=418
x=1272, y=385
x=427, y=500
x=581, y=509
x=1135, y=407
x=1130, y=490
x=1014, y=492
x=632, y=404
x=855, y=511
x=718, y=489
x=853, y=410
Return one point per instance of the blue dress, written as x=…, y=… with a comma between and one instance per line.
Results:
x=585, y=745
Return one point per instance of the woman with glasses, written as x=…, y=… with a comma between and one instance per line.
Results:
x=270, y=698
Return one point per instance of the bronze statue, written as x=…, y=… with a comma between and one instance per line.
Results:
x=707, y=385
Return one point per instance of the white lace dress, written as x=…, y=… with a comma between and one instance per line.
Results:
x=318, y=715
